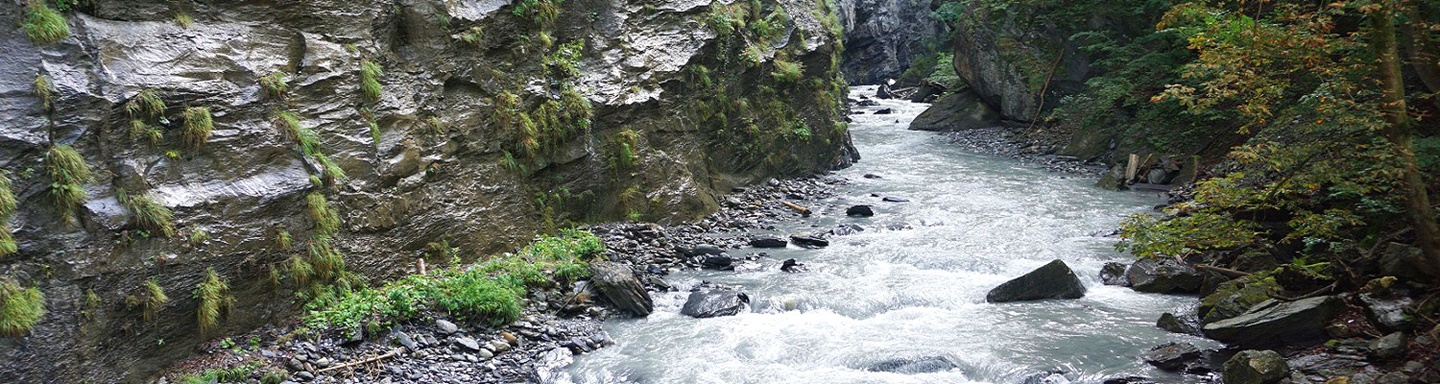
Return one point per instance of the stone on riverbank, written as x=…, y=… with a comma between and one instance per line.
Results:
x=1052, y=281
x=1187, y=325
x=619, y=284
x=1172, y=356
x=1274, y=323
x=768, y=242
x=859, y=211
x=714, y=303
x=955, y=112
x=1164, y=276
x=1113, y=274
x=809, y=241
x=1255, y=367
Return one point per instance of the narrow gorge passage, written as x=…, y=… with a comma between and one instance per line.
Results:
x=909, y=291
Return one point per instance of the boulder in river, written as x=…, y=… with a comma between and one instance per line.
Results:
x=910, y=366
x=1275, y=323
x=618, y=284
x=1171, y=356
x=792, y=266
x=703, y=249
x=893, y=199
x=1113, y=274
x=809, y=241
x=1255, y=367
x=846, y=229
x=717, y=262
x=1164, y=276
x=768, y=242
x=859, y=211
x=884, y=111
x=956, y=112
x=1051, y=281
x=1187, y=325
x=714, y=303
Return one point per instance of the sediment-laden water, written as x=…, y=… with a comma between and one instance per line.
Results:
x=909, y=291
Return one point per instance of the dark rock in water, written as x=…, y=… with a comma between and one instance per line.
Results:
x=846, y=229
x=618, y=284
x=859, y=211
x=768, y=242
x=714, y=303
x=1113, y=274
x=655, y=270
x=1052, y=281
x=1128, y=380
x=717, y=262
x=1274, y=323
x=704, y=249
x=910, y=366
x=1255, y=367
x=883, y=92
x=892, y=199
x=792, y=266
x=927, y=92
x=809, y=241
x=1188, y=325
x=1389, y=347
x=956, y=112
x=867, y=103
x=872, y=176
x=1053, y=377
x=1172, y=356
x=1164, y=276
x=884, y=111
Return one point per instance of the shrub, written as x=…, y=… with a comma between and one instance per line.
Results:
x=327, y=220
x=213, y=301
x=149, y=215
x=146, y=104
x=68, y=175
x=787, y=72
x=20, y=308
x=370, y=80
x=274, y=84
x=288, y=123
x=198, y=126
x=45, y=90
x=327, y=262
x=150, y=300
x=44, y=25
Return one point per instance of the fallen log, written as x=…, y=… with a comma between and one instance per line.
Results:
x=803, y=211
x=392, y=353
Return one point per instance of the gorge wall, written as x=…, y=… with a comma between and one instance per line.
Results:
x=401, y=123
x=882, y=37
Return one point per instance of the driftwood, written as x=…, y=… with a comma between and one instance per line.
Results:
x=803, y=211
x=392, y=353
x=1223, y=271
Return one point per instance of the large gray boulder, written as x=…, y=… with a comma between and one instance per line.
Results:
x=1052, y=281
x=1164, y=276
x=619, y=284
x=1172, y=356
x=1255, y=367
x=956, y=112
x=1276, y=323
x=714, y=303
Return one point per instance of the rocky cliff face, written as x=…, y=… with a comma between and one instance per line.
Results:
x=882, y=37
x=413, y=122
x=1016, y=64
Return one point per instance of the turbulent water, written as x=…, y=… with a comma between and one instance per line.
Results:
x=912, y=286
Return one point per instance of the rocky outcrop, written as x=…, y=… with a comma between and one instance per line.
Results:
x=1054, y=280
x=882, y=37
x=1164, y=276
x=956, y=112
x=1016, y=65
x=398, y=125
x=618, y=283
x=1275, y=323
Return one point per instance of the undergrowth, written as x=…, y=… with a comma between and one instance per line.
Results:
x=213, y=301
x=68, y=175
x=44, y=25
x=20, y=308
x=149, y=215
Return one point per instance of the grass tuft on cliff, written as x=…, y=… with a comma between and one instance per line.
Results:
x=149, y=301
x=274, y=84
x=213, y=301
x=198, y=126
x=488, y=291
x=370, y=80
x=149, y=215
x=7, y=208
x=44, y=25
x=45, y=90
x=20, y=308
x=68, y=175
x=327, y=220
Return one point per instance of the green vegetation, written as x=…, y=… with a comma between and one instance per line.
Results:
x=787, y=72
x=433, y=126
x=274, y=84
x=91, y=304
x=8, y=204
x=45, y=90
x=197, y=126
x=68, y=175
x=237, y=374
x=474, y=36
x=288, y=123
x=184, y=20
x=626, y=142
x=20, y=308
x=370, y=80
x=327, y=220
x=541, y=13
x=488, y=291
x=146, y=104
x=44, y=25
x=150, y=300
x=198, y=237
x=149, y=215
x=213, y=301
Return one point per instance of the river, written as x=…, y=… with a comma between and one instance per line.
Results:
x=912, y=286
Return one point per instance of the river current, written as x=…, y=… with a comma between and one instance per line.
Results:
x=911, y=287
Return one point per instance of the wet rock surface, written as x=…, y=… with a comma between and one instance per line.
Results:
x=1054, y=280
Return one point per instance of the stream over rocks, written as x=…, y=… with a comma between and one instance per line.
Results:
x=903, y=300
